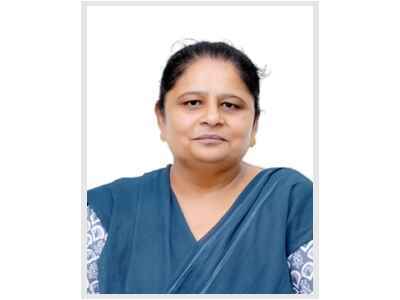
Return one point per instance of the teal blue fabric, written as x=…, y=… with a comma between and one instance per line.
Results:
x=150, y=249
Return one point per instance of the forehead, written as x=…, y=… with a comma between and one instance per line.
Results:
x=212, y=75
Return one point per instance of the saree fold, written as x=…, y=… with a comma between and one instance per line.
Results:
x=150, y=249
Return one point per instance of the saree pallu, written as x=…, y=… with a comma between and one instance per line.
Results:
x=151, y=250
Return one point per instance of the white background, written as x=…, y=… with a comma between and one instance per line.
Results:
x=40, y=164
x=127, y=48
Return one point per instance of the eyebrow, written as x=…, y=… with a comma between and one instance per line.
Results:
x=223, y=96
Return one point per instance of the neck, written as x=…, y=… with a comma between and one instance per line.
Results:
x=205, y=179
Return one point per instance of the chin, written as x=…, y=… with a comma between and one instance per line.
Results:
x=210, y=157
x=210, y=160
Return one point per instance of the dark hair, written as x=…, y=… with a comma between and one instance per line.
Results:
x=180, y=61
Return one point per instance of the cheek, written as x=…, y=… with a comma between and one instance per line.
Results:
x=242, y=128
x=180, y=126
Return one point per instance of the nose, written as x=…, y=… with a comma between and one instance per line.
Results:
x=212, y=115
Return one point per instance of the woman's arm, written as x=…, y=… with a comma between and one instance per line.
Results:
x=301, y=268
x=96, y=239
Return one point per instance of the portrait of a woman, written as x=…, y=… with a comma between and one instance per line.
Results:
x=209, y=222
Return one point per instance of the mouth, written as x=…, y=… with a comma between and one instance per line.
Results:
x=210, y=137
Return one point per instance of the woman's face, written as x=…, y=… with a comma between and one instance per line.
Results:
x=209, y=114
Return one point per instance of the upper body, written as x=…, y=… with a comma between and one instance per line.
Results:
x=151, y=249
x=181, y=229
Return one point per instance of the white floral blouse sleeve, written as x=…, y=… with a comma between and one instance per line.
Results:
x=96, y=239
x=301, y=268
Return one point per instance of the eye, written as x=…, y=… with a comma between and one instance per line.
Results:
x=230, y=106
x=192, y=103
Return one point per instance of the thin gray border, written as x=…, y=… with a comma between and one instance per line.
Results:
x=314, y=4
x=199, y=3
x=84, y=147
x=316, y=146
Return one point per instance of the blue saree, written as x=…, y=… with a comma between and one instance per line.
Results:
x=151, y=250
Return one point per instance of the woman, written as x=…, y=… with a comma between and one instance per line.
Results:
x=210, y=222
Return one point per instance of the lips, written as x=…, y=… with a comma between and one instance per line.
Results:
x=210, y=137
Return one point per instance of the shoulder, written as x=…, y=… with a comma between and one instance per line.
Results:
x=289, y=175
x=101, y=198
x=123, y=184
x=118, y=196
x=298, y=187
x=284, y=174
x=290, y=188
x=107, y=188
x=287, y=181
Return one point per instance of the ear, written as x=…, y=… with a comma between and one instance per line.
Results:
x=160, y=121
x=253, y=133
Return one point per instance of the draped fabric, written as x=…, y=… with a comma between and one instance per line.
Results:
x=300, y=262
x=150, y=249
